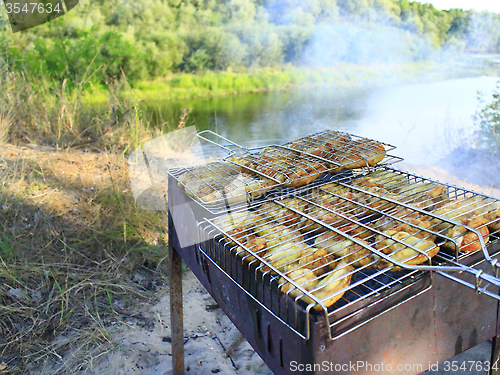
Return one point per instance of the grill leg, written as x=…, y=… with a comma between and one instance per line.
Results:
x=495, y=355
x=176, y=313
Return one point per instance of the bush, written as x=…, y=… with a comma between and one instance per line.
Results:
x=488, y=120
x=154, y=38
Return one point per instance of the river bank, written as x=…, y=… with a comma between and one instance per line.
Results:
x=181, y=86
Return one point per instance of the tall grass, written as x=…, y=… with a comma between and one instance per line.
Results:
x=61, y=115
x=71, y=237
x=5, y=124
x=70, y=245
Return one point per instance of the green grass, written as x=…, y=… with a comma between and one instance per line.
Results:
x=184, y=86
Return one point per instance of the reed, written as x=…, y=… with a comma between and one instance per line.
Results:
x=59, y=114
x=5, y=124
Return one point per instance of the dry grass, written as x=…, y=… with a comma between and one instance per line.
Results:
x=51, y=113
x=71, y=240
x=5, y=124
x=71, y=237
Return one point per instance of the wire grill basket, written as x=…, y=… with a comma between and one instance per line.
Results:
x=363, y=241
x=246, y=175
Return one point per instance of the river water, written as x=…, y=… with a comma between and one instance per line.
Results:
x=425, y=120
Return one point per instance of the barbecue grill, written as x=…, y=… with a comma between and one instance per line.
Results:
x=300, y=255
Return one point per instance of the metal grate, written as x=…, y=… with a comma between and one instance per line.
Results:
x=239, y=181
x=330, y=249
x=300, y=162
x=220, y=184
x=344, y=150
x=464, y=207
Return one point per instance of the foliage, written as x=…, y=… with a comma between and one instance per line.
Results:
x=153, y=38
x=488, y=119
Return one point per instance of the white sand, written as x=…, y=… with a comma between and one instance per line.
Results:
x=143, y=351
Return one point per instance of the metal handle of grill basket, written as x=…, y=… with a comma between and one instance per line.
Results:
x=490, y=279
x=227, y=149
x=443, y=270
x=456, y=267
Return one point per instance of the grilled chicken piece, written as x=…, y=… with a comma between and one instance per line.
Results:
x=382, y=179
x=341, y=150
x=396, y=186
x=357, y=231
x=368, y=200
x=267, y=165
x=462, y=210
x=288, y=217
x=303, y=277
x=231, y=221
x=493, y=219
x=344, y=248
x=281, y=215
x=466, y=240
x=256, y=246
x=471, y=212
x=417, y=230
x=327, y=289
x=213, y=171
x=285, y=254
x=241, y=234
x=427, y=196
x=305, y=172
x=319, y=261
x=320, y=151
x=306, y=225
x=277, y=233
x=361, y=153
x=287, y=167
x=216, y=181
x=402, y=253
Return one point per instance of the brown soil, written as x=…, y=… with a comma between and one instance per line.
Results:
x=87, y=292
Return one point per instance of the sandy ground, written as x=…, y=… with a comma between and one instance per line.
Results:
x=208, y=332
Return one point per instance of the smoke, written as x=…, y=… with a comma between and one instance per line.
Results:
x=338, y=38
x=483, y=32
x=149, y=164
x=364, y=44
x=326, y=33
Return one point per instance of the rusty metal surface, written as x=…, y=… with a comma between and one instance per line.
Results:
x=495, y=349
x=428, y=329
x=431, y=328
x=176, y=307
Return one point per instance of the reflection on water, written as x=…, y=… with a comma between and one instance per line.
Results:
x=262, y=118
x=426, y=121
